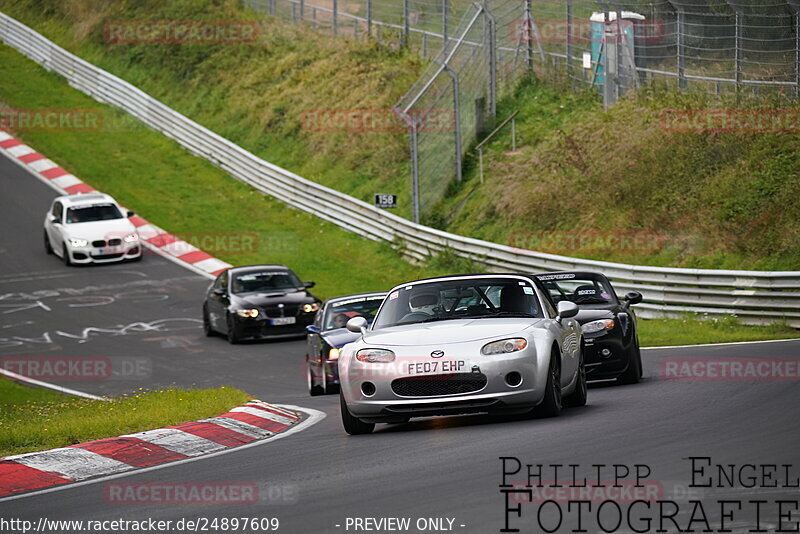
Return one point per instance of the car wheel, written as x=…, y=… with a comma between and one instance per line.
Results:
x=313, y=388
x=634, y=371
x=233, y=337
x=353, y=425
x=551, y=404
x=66, y=259
x=207, y=329
x=331, y=387
x=578, y=397
x=47, y=247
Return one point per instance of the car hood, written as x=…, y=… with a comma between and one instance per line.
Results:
x=454, y=331
x=91, y=231
x=288, y=296
x=587, y=315
x=339, y=337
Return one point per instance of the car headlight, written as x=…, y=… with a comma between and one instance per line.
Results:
x=309, y=308
x=78, y=242
x=131, y=238
x=247, y=313
x=375, y=356
x=333, y=354
x=597, y=326
x=504, y=346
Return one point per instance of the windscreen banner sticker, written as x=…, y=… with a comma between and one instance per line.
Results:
x=587, y=292
x=394, y=295
x=255, y=276
x=565, y=276
x=356, y=301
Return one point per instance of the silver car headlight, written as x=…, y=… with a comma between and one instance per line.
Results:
x=131, y=238
x=375, y=356
x=252, y=313
x=504, y=346
x=597, y=326
x=78, y=242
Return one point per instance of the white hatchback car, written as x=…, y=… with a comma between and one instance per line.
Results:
x=90, y=228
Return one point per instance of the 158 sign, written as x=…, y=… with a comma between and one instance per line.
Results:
x=385, y=201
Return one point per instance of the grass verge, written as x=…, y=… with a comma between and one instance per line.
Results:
x=188, y=196
x=34, y=419
x=691, y=330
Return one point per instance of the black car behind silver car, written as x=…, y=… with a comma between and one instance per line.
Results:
x=608, y=323
x=258, y=302
x=328, y=335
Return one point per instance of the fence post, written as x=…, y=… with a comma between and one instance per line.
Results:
x=414, y=173
x=492, y=49
x=681, y=59
x=406, y=23
x=456, y=120
x=335, y=16
x=271, y=7
x=302, y=10
x=528, y=33
x=738, y=52
x=569, y=41
x=445, y=15
x=369, y=18
x=797, y=54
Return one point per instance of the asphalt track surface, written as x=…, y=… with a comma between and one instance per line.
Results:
x=443, y=467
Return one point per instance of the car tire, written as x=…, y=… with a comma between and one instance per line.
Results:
x=551, y=404
x=233, y=337
x=208, y=330
x=66, y=259
x=313, y=389
x=579, y=396
x=331, y=388
x=353, y=425
x=634, y=371
x=47, y=247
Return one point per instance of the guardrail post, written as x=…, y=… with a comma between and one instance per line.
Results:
x=406, y=23
x=335, y=16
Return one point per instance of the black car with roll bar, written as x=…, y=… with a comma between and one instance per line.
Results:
x=328, y=335
x=609, y=324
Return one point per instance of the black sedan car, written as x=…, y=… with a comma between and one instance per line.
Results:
x=258, y=302
x=328, y=335
x=608, y=323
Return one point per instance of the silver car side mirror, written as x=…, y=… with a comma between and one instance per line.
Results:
x=566, y=309
x=357, y=325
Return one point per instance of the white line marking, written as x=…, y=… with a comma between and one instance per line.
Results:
x=76, y=464
x=47, y=385
x=265, y=415
x=238, y=426
x=722, y=344
x=177, y=441
x=314, y=417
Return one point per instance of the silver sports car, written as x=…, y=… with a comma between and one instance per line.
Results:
x=462, y=344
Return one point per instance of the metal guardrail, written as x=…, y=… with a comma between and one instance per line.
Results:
x=755, y=296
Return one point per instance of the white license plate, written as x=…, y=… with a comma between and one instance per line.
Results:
x=436, y=367
x=282, y=321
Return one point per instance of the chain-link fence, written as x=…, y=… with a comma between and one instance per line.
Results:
x=479, y=49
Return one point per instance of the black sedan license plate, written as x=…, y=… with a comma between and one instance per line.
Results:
x=437, y=367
